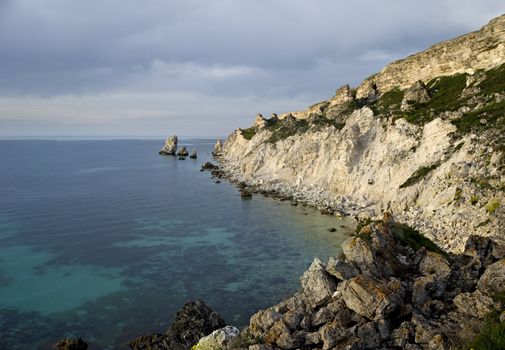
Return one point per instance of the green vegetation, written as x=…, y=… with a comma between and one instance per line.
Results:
x=414, y=239
x=286, y=128
x=457, y=194
x=483, y=223
x=492, y=334
x=492, y=206
x=249, y=133
x=474, y=200
x=445, y=93
x=419, y=174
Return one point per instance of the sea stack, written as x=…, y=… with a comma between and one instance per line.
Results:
x=193, y=154
x=170, y=147
x=183, y=152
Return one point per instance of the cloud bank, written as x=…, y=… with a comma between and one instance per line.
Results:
x=199, y=68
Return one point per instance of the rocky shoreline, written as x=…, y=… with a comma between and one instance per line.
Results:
x=391, y=288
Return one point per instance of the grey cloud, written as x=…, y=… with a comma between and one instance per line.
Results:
x=225, y=49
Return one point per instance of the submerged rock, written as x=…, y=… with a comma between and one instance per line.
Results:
x=170, y=147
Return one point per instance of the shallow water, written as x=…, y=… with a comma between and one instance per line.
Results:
x=106, y=240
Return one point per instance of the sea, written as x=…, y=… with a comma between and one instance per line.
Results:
x=105, y=240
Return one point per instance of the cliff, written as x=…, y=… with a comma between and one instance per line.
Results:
x=426, y=142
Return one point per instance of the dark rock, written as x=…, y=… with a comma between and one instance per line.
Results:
x=332, y=229
x=192, y=322
x=209, y=166
x=71, y=344
x=183, y=152
x=245, y=193
x=181, y=158
x=193, y=154
x=493, y=279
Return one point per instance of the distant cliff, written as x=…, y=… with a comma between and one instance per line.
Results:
x=424, y=138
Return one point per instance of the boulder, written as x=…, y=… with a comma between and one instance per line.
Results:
x=476, y=304
x=317, y=284
x=218, y=339
x=183, y=152
x=262, y=321
x=341, y=269
x=71, y=344
x=170, y=146
x=358, y=251
x=493, y=279
x=416, y=94
x=369, y=297
x=193, y=154
x=434, y=263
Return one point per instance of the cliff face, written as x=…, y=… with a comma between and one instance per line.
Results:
x=430, y=151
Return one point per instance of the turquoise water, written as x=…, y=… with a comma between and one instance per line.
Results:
x=106, y=240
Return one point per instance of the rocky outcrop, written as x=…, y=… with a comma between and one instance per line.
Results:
x=193, y=321
x=170, y=147
x=218, y=148
x=193, y=154
x=382, y=309
x=183, y=152
x=71, y=344
x=427, y=147
x=482, y=49
x=219, y=339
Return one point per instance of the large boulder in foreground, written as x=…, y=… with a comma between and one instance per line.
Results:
x=317, y=284
x=193, y=321
x=170, y=147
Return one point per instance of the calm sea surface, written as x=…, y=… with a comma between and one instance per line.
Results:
x=106, y=240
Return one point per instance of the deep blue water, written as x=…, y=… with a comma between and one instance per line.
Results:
x=106, y=240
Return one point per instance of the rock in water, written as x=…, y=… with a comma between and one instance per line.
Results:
x=193, y=321
x=170, y=146
x=71, y=344
x=218, y=148
x=193, y=154
x=183, y=152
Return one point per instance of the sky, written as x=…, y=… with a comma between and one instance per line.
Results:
x=199, y=68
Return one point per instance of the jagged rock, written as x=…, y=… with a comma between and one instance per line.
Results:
x=322, y=316
x=403, y=335
x=484, y=249
x=193, y=154
x=218, y=339
x=263, y=320
x=209, y=166
x=434, y=263
x=260, y=122
x=170, y=147
x=71, y=344
x=245, y=193
x=192, y=322
x=317, y=284
x=280, y=334
x=183, y=152
x=475, y=304
x=369, y=336
x=332, y=333
x=218, y=148
x=493, y=279
x=341, y=269
x=416, y=94
x=369, y=297
x=358, y=251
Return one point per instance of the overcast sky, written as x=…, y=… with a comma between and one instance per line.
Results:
x=149, y=68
